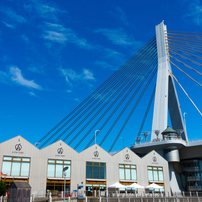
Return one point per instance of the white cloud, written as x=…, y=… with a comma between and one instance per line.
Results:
x=9, y=25
x=72, y=76
x=118, y=37
x=18, y=78
x=104, y=64
x=11, y=14
x=25, y=38
x=88, y=75
x=122, y=15
x=32, y=94
x=4, y=78
x=195, y=12
x=58, y=33
x=46, y=11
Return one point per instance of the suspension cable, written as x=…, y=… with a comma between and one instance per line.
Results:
x=185, y=93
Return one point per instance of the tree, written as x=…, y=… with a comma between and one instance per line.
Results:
x=3, y=188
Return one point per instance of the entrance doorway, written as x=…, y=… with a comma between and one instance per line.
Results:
x=95, y=188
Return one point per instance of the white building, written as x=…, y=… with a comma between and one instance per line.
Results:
x=94, y=168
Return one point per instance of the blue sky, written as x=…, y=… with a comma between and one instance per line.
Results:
x=53, y=54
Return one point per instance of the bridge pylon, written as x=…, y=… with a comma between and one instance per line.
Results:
x=166, y=95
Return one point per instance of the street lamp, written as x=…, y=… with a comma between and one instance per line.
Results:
x=95, y=134
x=64, y=169
x=123, y=142
x=185, y=127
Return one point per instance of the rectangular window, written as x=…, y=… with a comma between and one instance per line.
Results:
x=155, y=173
x=25, y=169
x=127, y=172
x=95, y=170
x=55, y=168
x=16, y=166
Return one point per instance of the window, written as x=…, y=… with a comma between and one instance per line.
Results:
x=127, y=172
x=155, y=173
x=16, y=166
x=95, y=170
x=55, y=168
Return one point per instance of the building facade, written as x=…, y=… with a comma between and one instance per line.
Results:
x=94, y=168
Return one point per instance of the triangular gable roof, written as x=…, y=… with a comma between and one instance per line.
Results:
x=17, y=145
x=96, y=152
x=153, y=158
x=59, y=149
x=126, y=155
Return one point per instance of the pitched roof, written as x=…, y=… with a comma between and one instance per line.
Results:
x=20, y=184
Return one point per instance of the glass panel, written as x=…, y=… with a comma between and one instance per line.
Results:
x=96, y=172
x=59, y=161
x=25, y=169
x=133, y=173
x=121, y=165
x=102, y=164
x=127, y=172
x=155, y=172
x=59, y=169
x=88, y=163
x=154, y=168
x=89, y=172
x=160, y=175
x=133, y=166
x=16, y=158
x=160, y=168
x=68, y=171
x=121, y=174
x=7, y=157
x=51, y=161
x=67, y=162
x=150, y=175
x=6, y=168
x=102, y=172
x=127, y=166
x=96, y=164
x=15, y=169
x=149, y=167
x=25, y=159
x=51, y=170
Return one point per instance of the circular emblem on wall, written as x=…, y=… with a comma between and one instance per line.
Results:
x=18, y=147
x=60, y=150
x=127, y=156
x=154, y=159
x=96, y=154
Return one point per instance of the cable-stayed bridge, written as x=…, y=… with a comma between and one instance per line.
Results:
x=147, y=74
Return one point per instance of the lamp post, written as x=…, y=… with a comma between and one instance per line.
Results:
x=96, y=134
x=123, y=142
x=185, y=127
x=64, y=169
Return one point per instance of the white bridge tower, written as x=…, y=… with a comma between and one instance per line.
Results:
x=165, y=95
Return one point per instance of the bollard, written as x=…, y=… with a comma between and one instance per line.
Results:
x=68, y=199
x=86, y=199
x=50, y=197
x=1, y=198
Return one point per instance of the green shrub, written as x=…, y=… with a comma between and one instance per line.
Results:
x=2, y=188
